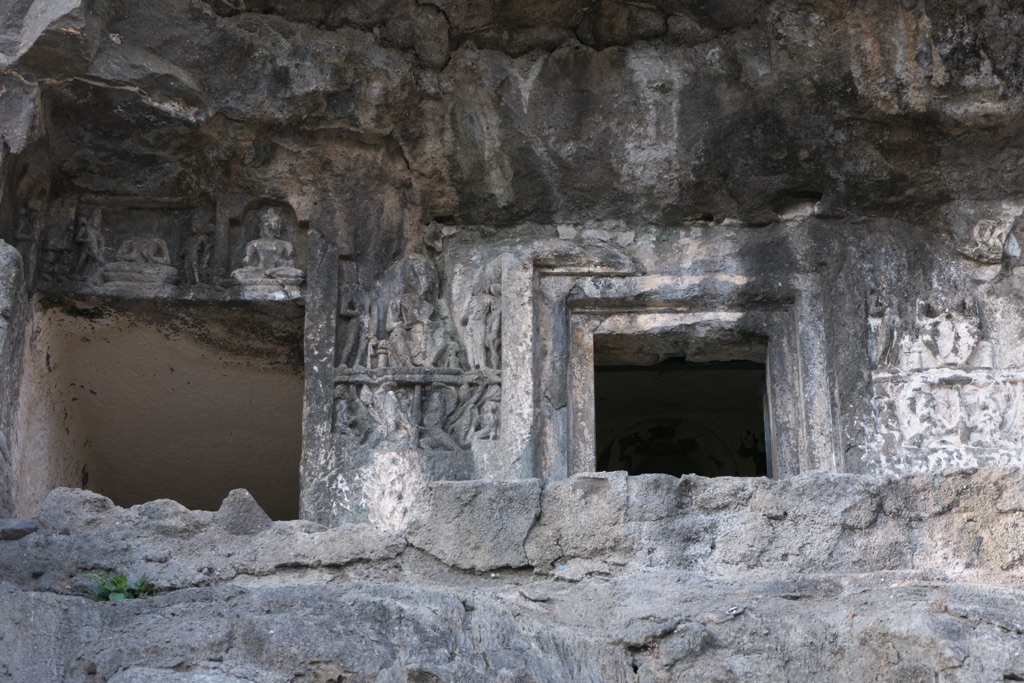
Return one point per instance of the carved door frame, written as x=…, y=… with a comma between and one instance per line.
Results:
x=801, y=412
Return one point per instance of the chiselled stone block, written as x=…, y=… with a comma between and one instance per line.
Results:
x=581, y=517
x=478, y=525
x=68, y=510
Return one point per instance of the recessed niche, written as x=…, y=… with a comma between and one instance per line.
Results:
x=677, y=417
x=140, y=400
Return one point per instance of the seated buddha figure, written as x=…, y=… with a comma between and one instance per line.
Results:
x=269, y=261
x=143, y=260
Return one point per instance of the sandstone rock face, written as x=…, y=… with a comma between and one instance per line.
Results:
x=241, y=514
x=478, y=525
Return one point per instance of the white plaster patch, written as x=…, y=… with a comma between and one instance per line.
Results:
x=392, y=484
x=140, y=411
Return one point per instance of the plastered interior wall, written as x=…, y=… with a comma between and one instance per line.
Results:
x=49, y=444
x=138, y=408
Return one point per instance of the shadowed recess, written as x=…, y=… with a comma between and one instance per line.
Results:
x=141, y=401
x=678, y=417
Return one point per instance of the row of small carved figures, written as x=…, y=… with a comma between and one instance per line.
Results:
x=430, y=415
x=955, y=412
x=415, y=375
x=267, y=259
x=85, y=263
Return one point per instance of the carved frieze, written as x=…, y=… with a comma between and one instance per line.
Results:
x=937, y=399
x=965, y=418
x=944, y=335
x=123, y=248
x=403, y=380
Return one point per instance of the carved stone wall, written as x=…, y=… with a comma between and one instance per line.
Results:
x=414, y=382
x=474, y=205
x=943, y=396
x=433, y=219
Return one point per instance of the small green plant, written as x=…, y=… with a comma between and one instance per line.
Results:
x=113, y=587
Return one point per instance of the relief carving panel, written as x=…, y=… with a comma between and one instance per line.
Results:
x=937, y=399
x=403, y=380
x=128, y=249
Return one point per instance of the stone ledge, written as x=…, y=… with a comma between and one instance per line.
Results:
x=596, y=524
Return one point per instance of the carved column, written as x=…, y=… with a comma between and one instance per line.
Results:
x=318, y=459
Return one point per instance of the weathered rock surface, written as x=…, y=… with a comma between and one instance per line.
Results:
x=818, y=578
x=241, y=514
x=478, y=525
x=578, y=111
x=13, y=314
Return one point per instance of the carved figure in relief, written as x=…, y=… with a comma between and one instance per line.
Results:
x=463, y=420
x=25, y=228
x=144, y=250
x=352, y=305
x=141, y=260
x=984, y=409
x=415, y=337
x=475, y=322
x=944, y=336
x=883, y=331
x=342, y=423
x=482, y=320
x=949, y=334
x=487, y=421
x=452, y=355
x=198, y=250
x=403, y=319
x=988, y=240
x=352, y=419
x=911, y=354
x=394, y=422
x=91, y=247
x=493, y=343
x=406, y=326
x=363, y=417
x=992, y=412
x=918, y=416
x=269, y=260
x=436, y=409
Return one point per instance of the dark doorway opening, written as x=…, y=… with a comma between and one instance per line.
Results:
x=678, y=417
